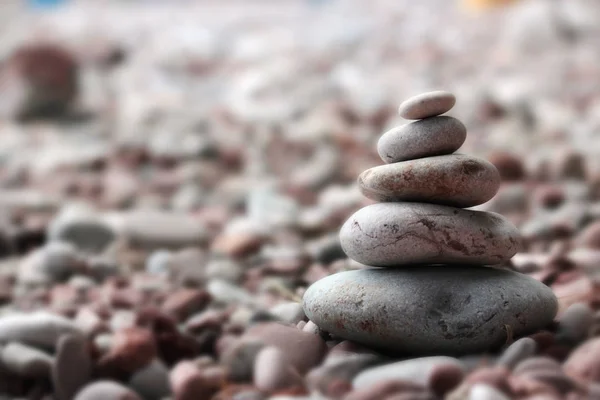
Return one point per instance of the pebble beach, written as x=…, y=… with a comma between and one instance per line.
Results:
x=300, y=200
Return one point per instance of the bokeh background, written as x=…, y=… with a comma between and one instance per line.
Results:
x=189, y=154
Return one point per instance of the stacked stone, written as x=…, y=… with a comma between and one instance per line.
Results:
x=436, y=290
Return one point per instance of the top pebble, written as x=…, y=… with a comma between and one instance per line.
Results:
x=427, y=105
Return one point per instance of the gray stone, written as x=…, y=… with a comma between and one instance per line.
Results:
x=340, y=368
x=575, y=323
x=159, y=229
x=152, y=381
x=72, y=368
x=103, y=390
x=396, y=234
x=225, y=269
x=427, y=105
x=26, y=361
x=430, y=309
x=517, y=352
x=38, y=329
x=240, y=357
x=455, y=180
x=417, y=370
x=159, y=262
x=429, y=137
x=56, y=261
x=81, y=227
x=290, y=312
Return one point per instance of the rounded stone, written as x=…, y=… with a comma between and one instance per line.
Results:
x=72, y=368
x=104, y=389
x=455, y=180
x=427, y=105
x=398, y=234
x=429, y=137
x=430, y=309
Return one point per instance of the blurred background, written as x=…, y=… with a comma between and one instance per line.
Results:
x=253, y=119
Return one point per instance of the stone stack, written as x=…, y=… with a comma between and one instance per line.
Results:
x=435, y=289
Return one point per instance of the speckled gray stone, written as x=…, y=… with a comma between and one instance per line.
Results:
x=430, y=309
x=429, y=137
x=398, y=234
x=426, y=105
x=455, y=180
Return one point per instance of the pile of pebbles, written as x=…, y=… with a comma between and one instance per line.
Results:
x=171, y=191
x=432, y=292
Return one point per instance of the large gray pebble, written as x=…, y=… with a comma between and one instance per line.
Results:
x=56, y=261
x=26, y=361
x=426, y=105
x=72, y=368
x=104, y=390
x=82, y=228
x=455, y=180
x=430, y=309
x=152, y=381
x=429, y=137
x=158, y=229
x=396, y=234
x=417, y=370
x=38, y=329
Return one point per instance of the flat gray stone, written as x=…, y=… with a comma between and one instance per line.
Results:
x=398, y=234
x=455, y=180
x=430, y=309
x=38, y=329
x=427, y=105
x=418, y=370
x=429, y=137
x=72, y=368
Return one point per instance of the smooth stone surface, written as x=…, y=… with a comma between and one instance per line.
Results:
x=398, y=234
x=103, y=390
x=429, y=137
x=426, y=105
x=26, y=361
x=38, y=329
x=430, y=309
x=455, y=180
x=418, y=370
x=72, y=368
x=152, y=381
x=272, y=371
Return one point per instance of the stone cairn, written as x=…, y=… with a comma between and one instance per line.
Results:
x=430, y=285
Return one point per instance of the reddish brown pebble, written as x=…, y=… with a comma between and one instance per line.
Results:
x=584, y=361
x=272, y=371
x=185, y=302
x=509, y=165
x=590, y=236
x=444, y=378
x=188, y=383
x=539, y=363
x=132, y=349
x=72, y=369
